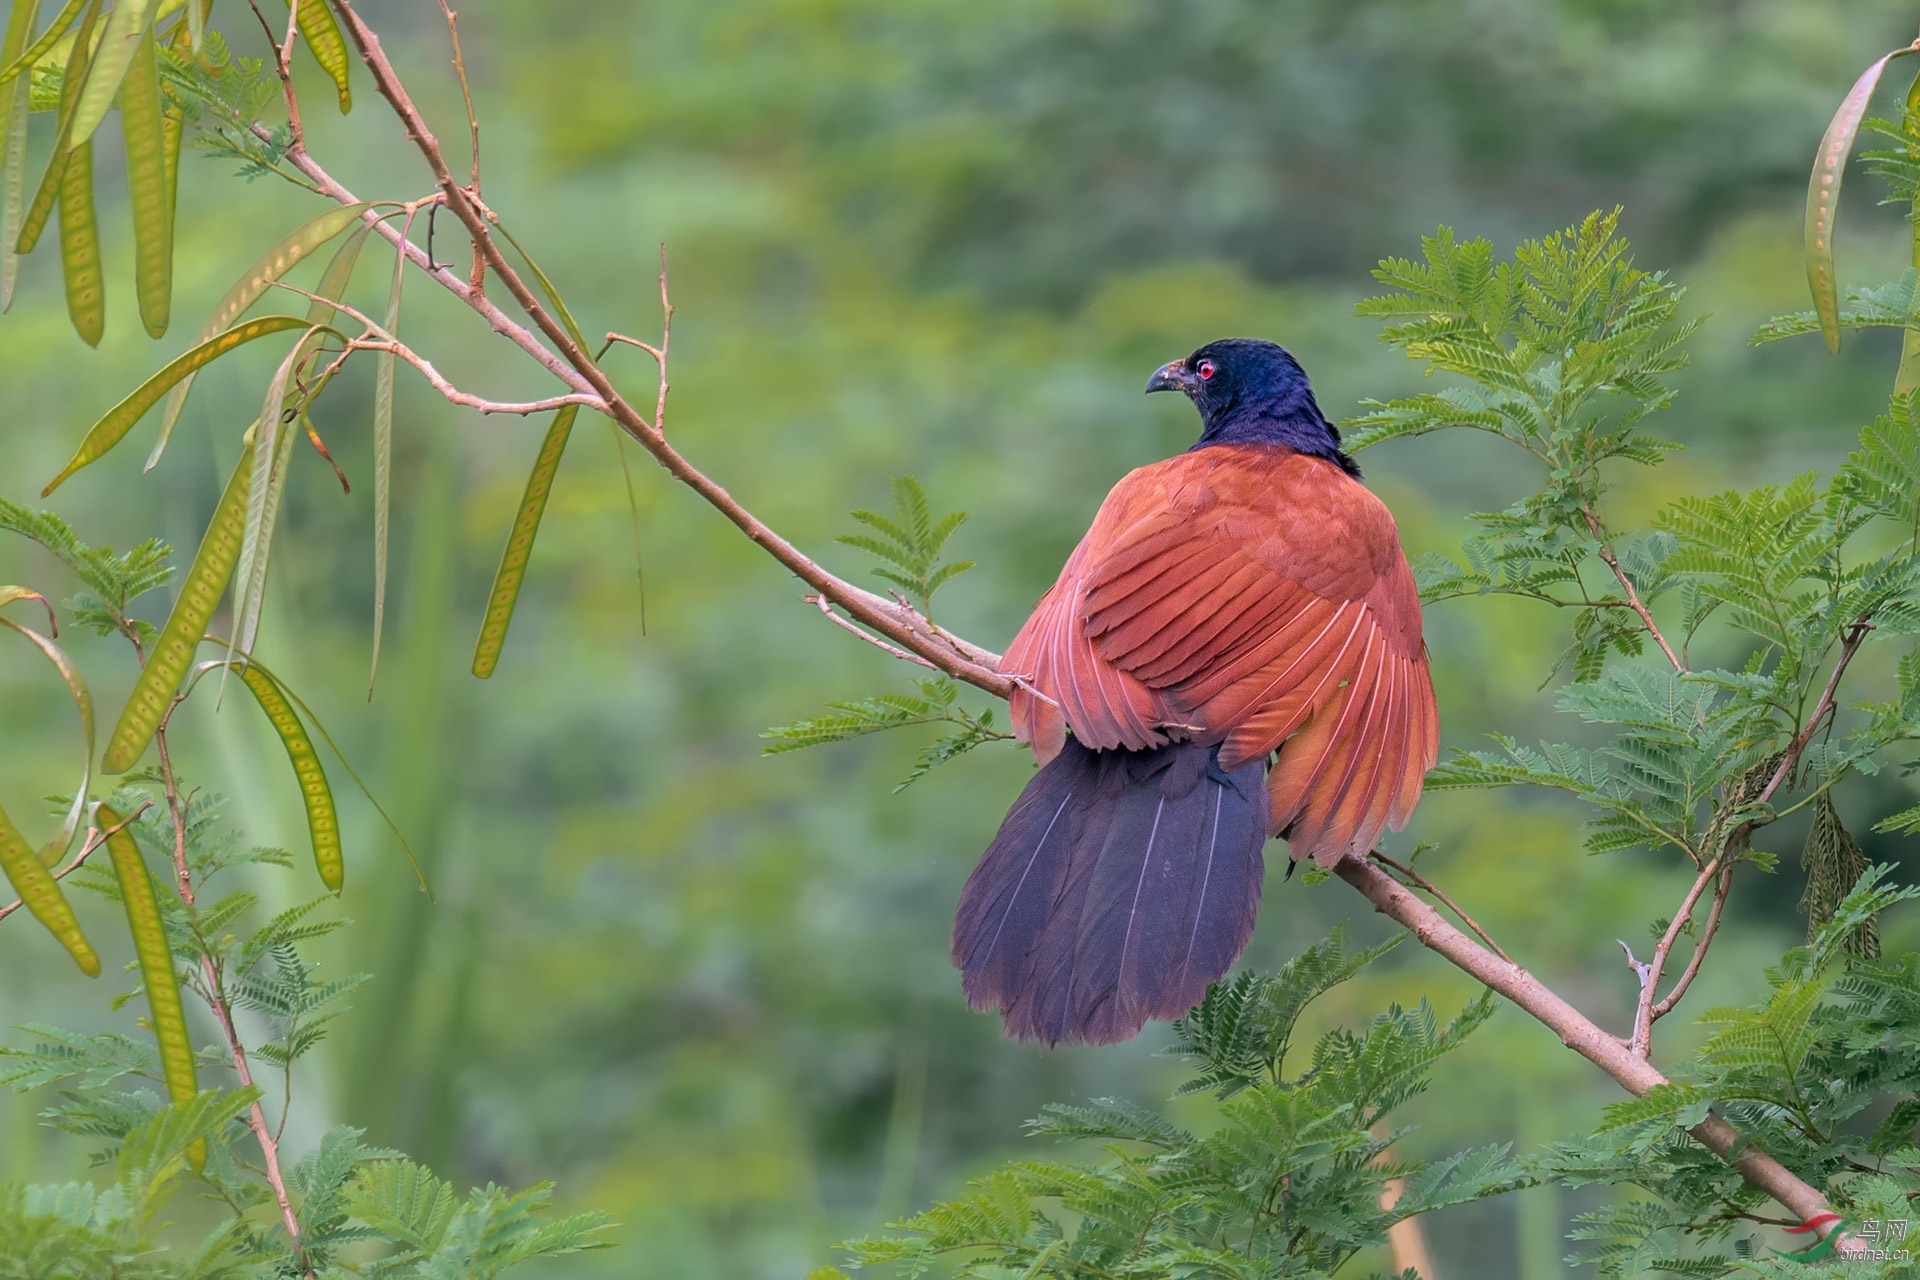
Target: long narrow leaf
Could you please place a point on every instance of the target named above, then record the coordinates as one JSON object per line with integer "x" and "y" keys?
{"x": 323, "y": 819}
{"x": 328, "y": 46}
{"x": 83, "y": 703}
{"x": 147, "y": 189}
{"x": 165, "y": 1014}
{"x": 15, "y": 102}
{"x": 173, "y": 651}
{"x": 246, "y": 291}
{"x": 546, "y": 287}
{"x": 44, "y": 45}
{"x": 127, "y": 26}
{"x": 307, "y": 712}
{"x": 50, "y": 179}
{"x": 272, "y": 456}
{"x": 1823, "y": 196}
{"x": 512, "y": 573}
{"x": 383, "y": 368}
{"x": 80, "y": 247}
{"x": 120, "y": 419}
{"x": 41, "y": 894}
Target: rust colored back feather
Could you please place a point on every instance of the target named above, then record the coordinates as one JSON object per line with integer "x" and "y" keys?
{"x": 1255, "y": 598}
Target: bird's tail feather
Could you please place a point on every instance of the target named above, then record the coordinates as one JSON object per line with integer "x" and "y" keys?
{"x": 1119, "y": 885}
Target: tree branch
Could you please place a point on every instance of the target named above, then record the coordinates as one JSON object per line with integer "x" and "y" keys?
{"x": 576, "y": 367}
{"x": 1575, "y": 1030}
{"x": 1420, "y": 881}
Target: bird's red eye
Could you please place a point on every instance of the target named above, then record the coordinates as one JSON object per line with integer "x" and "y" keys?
{"x": 1206, "y": 369}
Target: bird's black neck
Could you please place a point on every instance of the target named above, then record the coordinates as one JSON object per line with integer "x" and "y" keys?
{"x": 1296, "y": 423}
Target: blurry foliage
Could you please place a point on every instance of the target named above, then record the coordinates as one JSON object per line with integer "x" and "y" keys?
{"x": 949, "y": 239}
{"x": 1287, "y": 1182}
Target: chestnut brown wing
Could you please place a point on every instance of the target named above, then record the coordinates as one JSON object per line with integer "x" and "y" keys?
{"x": 1253, "y": 597}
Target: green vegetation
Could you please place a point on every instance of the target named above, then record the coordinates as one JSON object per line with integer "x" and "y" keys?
{"x": 706, "y": 992}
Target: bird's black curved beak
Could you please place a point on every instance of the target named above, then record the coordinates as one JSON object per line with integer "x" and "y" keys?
{"x": 1173, "y": 376}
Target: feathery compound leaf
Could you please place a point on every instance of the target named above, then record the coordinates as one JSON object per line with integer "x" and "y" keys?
{"x": 512, "y": 573}
{"x": 148, "y": 199}
{"x": 911, "y": 541}
{"x": 246, "y": 291}
{"x": 937, "y": 703}
{"x": 113, "y": 427}
{"x": 405, "y": 1203}
{"x": 200, "y": 593}
{"x": 1823, "y": 195}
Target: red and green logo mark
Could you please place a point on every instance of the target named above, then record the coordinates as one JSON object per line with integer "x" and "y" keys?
{"x": 1819, "y": 1248}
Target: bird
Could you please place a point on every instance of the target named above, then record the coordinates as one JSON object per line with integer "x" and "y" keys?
{"x": 1232, "y": 652}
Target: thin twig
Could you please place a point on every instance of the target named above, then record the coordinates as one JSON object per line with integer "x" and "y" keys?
{"x": 477, "y": 273}
{"x": 378, "y": 339}
{"x": 1632, "y": 595}
{"x": 1648, "y": 1009}
{"x": 95, "y": 839}
{"x": 647, "y": 347}
{"x": 1406, "y": 869}
{"x": 826, "y": 608}
{"x": 1712, "y": 926}
{"x": 666, "y": 345}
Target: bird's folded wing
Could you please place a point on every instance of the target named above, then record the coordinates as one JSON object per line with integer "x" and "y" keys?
{"x": 1257, "y": 600}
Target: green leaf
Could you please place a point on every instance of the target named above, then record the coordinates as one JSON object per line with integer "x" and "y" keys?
{"x": 15, "y": 102}
{"x": 1823, "y": 195}
{"x": 51, "y": 177}
{"x": 41, "y": 893}
{"x": 148, "y": 198}
{"x": 80, "y": 247}
{"x": 512, "y": 573}
{"x": 114, "y": 425}
{"x": 328, "y": 46}
{"x": 383, "y": 371}
{"x": 911, "y": 541}
{"x": 128, "y": 25}
{"x": 255, "y": 281}
{"x": 272, "y": 459}
{"x": 83, "y": 703}
{"x": 166, "y": 1014}
{"x": 200, "y": 592}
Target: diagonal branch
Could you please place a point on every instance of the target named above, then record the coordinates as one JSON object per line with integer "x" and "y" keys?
{"x": 1575, "y": 1030}
{"x": 576, "y": 367}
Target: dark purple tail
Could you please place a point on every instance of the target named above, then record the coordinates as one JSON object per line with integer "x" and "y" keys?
{"x": 1120, "y": 884}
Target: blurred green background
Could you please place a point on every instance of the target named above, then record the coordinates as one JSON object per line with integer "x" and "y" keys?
{"x": 706, "y": 991}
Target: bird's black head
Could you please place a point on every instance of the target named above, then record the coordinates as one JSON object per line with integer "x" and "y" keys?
{"x": 1253, "y": 392}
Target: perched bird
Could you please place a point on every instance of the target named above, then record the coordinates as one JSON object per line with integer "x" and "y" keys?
{"x": 1233, "y": 651}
